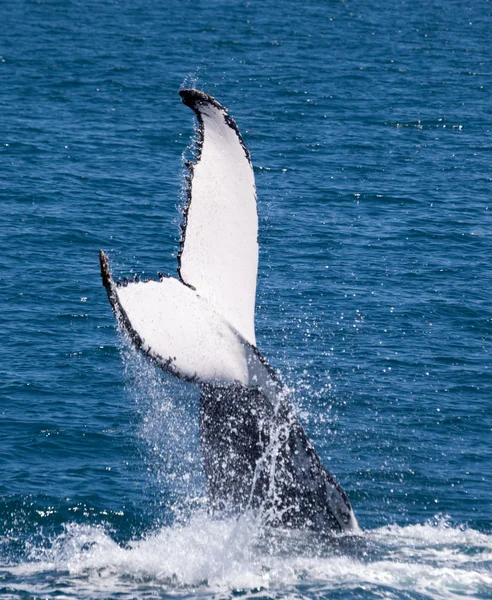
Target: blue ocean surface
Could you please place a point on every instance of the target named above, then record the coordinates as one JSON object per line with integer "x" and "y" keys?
{"x": 369, "y": 126}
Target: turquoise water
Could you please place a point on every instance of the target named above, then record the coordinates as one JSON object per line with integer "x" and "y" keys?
{"x": 369, "y": 126}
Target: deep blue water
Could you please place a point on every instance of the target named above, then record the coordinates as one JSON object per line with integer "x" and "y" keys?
{"x": 369, "y": 125}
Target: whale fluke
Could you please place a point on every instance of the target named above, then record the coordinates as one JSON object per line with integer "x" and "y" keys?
{"x": 200, "y": 328}
{"x": 219, "y": 247}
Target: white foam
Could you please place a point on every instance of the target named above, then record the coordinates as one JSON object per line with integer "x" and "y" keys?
{"x": 210, "y": 558}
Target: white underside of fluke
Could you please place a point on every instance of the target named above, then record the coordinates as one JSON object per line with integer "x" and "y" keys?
{"x": 219, "y": 254}
{"x": 184, "y": 333}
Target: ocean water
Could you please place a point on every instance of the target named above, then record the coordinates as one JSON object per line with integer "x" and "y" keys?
{"x": 369, "y": 125}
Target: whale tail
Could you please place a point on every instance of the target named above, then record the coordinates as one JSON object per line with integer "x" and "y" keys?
{"x": 200, "y": 328}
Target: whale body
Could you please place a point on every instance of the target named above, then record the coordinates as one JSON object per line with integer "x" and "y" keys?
{"x": 200, "y": 328}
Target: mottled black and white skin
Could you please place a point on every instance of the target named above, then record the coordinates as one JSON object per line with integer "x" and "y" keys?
{"x": 258, "y": 457}
{"x": 200, "y": 328}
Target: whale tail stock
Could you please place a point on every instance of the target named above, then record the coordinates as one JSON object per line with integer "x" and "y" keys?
{"x": 200, "y": 328}
{"x": 257, "y": 456}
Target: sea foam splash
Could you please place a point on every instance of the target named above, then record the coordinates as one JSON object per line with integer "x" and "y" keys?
{"x": 210, "y": 558}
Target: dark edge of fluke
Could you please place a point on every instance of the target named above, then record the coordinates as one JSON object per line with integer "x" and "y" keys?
{"x": 194, "y": 99}
{"x": 122, "y": 319}
{"x": 118, "y": 310}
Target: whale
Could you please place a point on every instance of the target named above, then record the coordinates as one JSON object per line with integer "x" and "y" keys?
{"x": 200, "y": 327}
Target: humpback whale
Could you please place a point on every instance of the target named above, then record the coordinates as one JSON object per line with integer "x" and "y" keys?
{"x": 200, "y": 327}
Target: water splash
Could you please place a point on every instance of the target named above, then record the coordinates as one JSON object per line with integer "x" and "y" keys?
{"x": 209, "y": 558}
{"x": 168, "y": 430}
{"x": 193, "y": 79}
